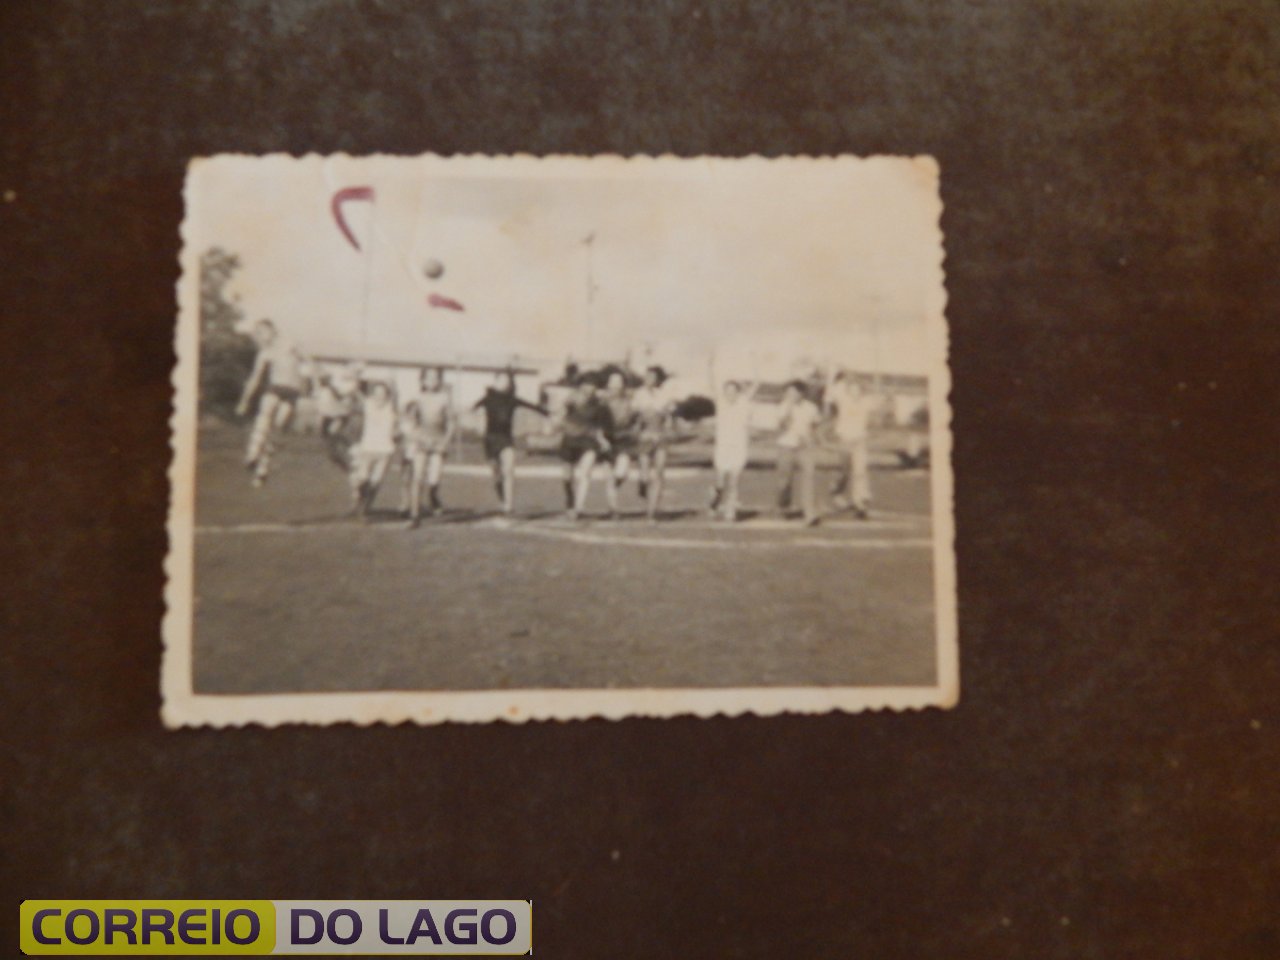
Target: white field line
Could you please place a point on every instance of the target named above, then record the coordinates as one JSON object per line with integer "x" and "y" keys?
{"x": 546, "y": 471}
{"x": 555, "y": 471}
{"x": 607, "y": 534}
{"x": 584, "y": 536}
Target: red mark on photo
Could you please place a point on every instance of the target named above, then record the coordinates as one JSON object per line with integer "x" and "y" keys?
{"x": 444, "y": 303}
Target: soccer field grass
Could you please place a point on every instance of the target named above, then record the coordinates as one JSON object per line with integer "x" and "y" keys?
{"x": 292, "y": 596}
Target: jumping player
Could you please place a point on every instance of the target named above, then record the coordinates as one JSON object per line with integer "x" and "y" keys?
{"x": 850, "y": 409}
{"x": 797, "y": 454}
{"x": 732, "y": 446}
{"x": 277, "y": 381}
{"x": 653, "y": 410}
{"x": 500, "y": 404}
{"x": 372, "y": 453}
{"x": 587, "y": 424}
{"x": 427, "y": 426}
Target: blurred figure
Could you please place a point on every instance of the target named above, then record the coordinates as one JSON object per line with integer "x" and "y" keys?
{"x": 276, "y": 382}
{"x": 850, "y": 408}
{"x": 500, "y": 404}
{"x": 336, "y": 403}
{"x": 732, "y": 447}
{"x": 372, "y": 453}
{"x": 797, "y": 458}
{"x": 653, "y": 410}
{"x": 622, "y": 436}
{"x": 427, "y": 427}
{"x": 587, "y": 424}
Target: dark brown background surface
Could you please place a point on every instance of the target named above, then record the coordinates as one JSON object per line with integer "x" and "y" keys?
{"x": 1107, "y": 786}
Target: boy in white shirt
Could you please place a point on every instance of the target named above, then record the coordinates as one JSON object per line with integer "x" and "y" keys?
{"x": 427, "y": 428}
{"x": 850, "y": 407}
{"x": 796, "y": 454}
{"x": 372, "y": 453}
{"x": 732, "y": 446}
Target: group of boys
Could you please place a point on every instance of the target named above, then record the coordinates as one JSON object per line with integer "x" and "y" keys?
{"x": 362, "y": 427}
{"x": 613, "y": 424}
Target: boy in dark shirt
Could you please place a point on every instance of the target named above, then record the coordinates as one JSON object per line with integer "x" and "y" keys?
{"x": 500, "y": 404}
{"x": 623, "y": 437}
{"x": 587, "y": 425}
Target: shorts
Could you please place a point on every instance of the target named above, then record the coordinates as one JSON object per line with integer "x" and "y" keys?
{"x": 368, "y": 467}
{"x": 647, "y": 444}
{"x": 573, "y": 448}
{"x": 425, "y": 445}
{"x": 626, "y": 444}
{"x": 730, "y": 457}
{"x": 494, "y": 444}
{"x": 287, "y": 394}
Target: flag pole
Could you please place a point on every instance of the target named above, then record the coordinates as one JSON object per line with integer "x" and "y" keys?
{"x": 589, "y": 241}
{"x": 368, "y": 272}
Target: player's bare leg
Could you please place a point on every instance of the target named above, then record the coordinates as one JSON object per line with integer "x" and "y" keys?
{"x": 717, "y": 492}
{"x": 644, "y": 462}
{"x": 731, "y": 495}
{"x": 499, "y": 487}
{"x": 654, "y": 482}
{"x": 335, "y": 443}
{"x": 434, "y": 470}
{"x": 415, "y": 473}
{"x": 570, "y": 469}
{"x": 359, "y": 485}
{"x": 274, "y": 417}
{"x": 257, "y": 456}
{"x": 377, "y": 471}
{"x": 613, "y": 483}
{"x": 808, "y": 466}
{"x": 506, "y": 467}
{"x": 788, "y": 466}
{"x": 582, "y": 482}
{"x": 860, "y": 484}
{"x": 282, "y": 416}
{"x": 841, "y": 489}
{"x": 408, "y": 479}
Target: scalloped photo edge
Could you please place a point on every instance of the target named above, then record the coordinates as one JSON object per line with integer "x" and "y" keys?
{"x": 515, "y": 251}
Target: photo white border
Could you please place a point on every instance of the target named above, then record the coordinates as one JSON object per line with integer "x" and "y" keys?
{"x": 182, "y": 706}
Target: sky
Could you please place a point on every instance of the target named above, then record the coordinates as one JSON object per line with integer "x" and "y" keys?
{"x": 754, "y": 262}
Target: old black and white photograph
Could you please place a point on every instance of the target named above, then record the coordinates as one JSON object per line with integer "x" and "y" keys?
{"x": 517, "y": 438}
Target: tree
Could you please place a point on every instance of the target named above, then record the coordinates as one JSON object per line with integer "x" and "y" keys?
{"x": 226, "y": 355}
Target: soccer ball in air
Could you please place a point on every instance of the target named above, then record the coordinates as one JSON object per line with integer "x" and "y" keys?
{"x": 433, "y": 269}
